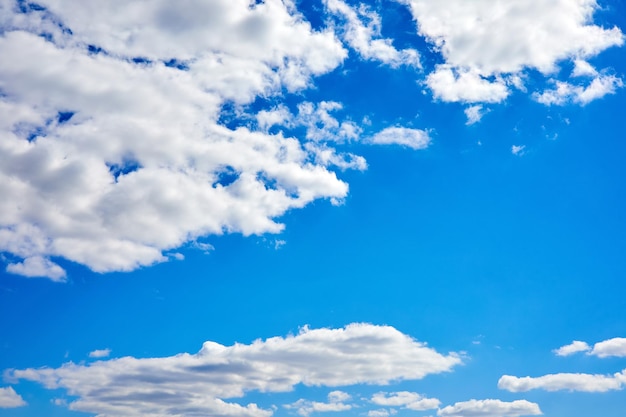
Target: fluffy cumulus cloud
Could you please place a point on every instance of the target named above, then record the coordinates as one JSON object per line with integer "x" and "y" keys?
{"x": 361, "y": 30}
{"x": 574, "y": 347}
{"x": 610, "y": 347}
{"x": 410, "y": 400}
{"x": 10, "y": 399}
{"x": 112, "y": 153}
{"x": 200, "y": 384}
{"x": 564, "y": 382}
{"x": 486, "y": 46}
{"x": 490, "y": 408}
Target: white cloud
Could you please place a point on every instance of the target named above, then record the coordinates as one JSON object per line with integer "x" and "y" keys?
{"x": 199, "y": 383}
{"x": 474, "y": 114}
{"x": 610, "y": 347}
{"x": 564, "y": 381}
{"x": 412, "y": 138}
{"x": 100, "y": 353}
{"x": 450, "y": 84}
{"x": 518, "y": 149}
{"x": 583, "y": 68}
{"x": 490, "y": 408}
{"x": 10, "y": 399}
{"x": 574, "y": 347}
{"x": 365, "y": 37}
{"x": 37, "y": 266}
{"x": 381, "y": 413}
{"x": 335, "y": 403}
{"x": 410, "y": 400}
{"x": 322, "y": 126}
{"x": 109, "y": 162}
{"x": 565, "y": 92}
{"x": 480, "y": 39}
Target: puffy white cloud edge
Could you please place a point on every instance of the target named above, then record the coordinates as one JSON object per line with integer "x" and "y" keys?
{"x": 199, "y": 384}
{"x": 488, "y": 49}
{"x": 490, "y": 408}
{"x": 606, "y": 348}
{"x": 564, "y": 382}
{"x": 10, "y": 399}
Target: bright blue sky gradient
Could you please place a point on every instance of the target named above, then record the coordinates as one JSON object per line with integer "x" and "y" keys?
{"x": 495, "y": 256}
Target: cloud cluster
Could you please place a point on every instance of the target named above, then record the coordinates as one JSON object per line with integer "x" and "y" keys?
{"x": 336, "y": 402}
{"x": 198, "y": 384}
{"x": 487, "y": 47}
{"x": 574, "y": 381}
{"x": 112, "y": 152}
{"x": 10, "y": 399}
{"x": 606, "y": 348}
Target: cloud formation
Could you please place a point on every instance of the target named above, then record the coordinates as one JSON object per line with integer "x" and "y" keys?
{"x": 361, "y": 30}
{"x": 406, "y": 399}
{"x": 564, "y": 382}
{"x": 336, "y": 402}
{"x": 116, "y": 151}
{"x": 490, "y": 408}
{"x": 411, "y": 138}
{"x": 100, "y": 353}
{"x": 604, "y": 349}
{"x": 486, "y": 46}
{"x": 198, "y": 384}
{"x": 10, "y": 399}
{"x": 112, "y": 152}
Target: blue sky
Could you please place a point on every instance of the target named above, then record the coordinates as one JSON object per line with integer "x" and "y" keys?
{"x": 312, "y": 208}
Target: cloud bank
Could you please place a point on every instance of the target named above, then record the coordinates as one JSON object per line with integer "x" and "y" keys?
{"x": 199, "y": 384}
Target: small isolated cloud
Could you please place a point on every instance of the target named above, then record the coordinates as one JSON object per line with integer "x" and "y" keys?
{"x": 490, "y": 408}
{"x": 574, "y": 347}
{"x": 474, "y": 114}
{"x": 100, "y": 353}
{"x": 411, "y": 138}
{"x": 518, "y": 150}
{"x": 381, "y": 413}
{"x": 410, "y": 400}
{"x": 10, "y": 399}
{"x": 610, "y": 347}
{"x": 564, "y": 382}
{"x": 335, "y": 402}
{"x": 201, "y": 383}
{"x": 38, "y": 267}
{"x": 361, "y": 30}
